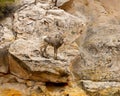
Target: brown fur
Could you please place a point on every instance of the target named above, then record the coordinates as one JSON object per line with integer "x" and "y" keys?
{"x": 55, "y": 41}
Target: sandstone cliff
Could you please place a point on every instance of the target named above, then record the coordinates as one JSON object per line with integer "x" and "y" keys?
{"x": 88, "y": 62}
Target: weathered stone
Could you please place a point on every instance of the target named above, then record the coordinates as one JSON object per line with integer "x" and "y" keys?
{"x": 99, "y": 54}
{"x": 41, "y": 20}
{"x": 16, "y": 69}
{"x": 6, "y": 38}
{"x": 53, "y": 3}
{"x": 61, "y": 2}
{"x": 99, "y": 47}
{"x": 26, "y": 62}
{"x": 4, "y": 60}
{"x": 96, "y": 11}
{"x": 7, "y": 22}
{"x": 30, "y": 83}
{"x": 24, "y": 2}
{"x": 39, "y": 89}
{"x": 101, "y": 88}
{"x": 31, "y": 25}
{"x": 9, "y": 89}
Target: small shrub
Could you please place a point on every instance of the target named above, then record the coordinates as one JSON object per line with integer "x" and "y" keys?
{"x": 6, "y": 8}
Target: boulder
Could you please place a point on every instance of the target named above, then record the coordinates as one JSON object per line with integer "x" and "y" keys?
{"x": 31, "y": 24}
{"x": 27, "y": 63}
{"x": 39, "y": 20}
{"x": 101, "y": 88}
{"x": 6, "y": 38}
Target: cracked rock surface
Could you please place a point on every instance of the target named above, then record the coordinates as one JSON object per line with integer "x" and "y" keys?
{"x": 88, "y": 62}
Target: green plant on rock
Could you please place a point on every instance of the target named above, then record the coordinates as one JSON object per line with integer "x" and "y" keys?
{"x": 6, "y": 8}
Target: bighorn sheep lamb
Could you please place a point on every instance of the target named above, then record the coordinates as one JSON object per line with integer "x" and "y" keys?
{"x": 55, "y": 41}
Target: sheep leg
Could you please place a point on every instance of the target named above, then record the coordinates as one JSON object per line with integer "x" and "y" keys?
{"x": 55, "y": 53}
{"x": 45, "y": 52}
{"x": 41, "y": 51}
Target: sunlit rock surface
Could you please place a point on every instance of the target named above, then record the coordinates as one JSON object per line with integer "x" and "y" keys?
{"x": 99, "y": 58}
{"x": 6, "y": 38}
{"x": 101, "y": 88}
{"x": 41, "y": 20}
{"x": 30, "y": 26}
{"x": 27, "y": 63}
{"x": 91, "y": 53}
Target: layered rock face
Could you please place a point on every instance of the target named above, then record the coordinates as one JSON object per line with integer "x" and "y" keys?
{"x": 6, "y": 38}
{"x": 99, "y": 57}
{"x": 101, "y": 53}
{"x": 89, "y": 58}
{"x": 31, "y": 24}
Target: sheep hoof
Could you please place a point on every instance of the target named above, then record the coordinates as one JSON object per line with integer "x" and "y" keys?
{"x": 46, "y": 56}
{"x": 55, "y": 58}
